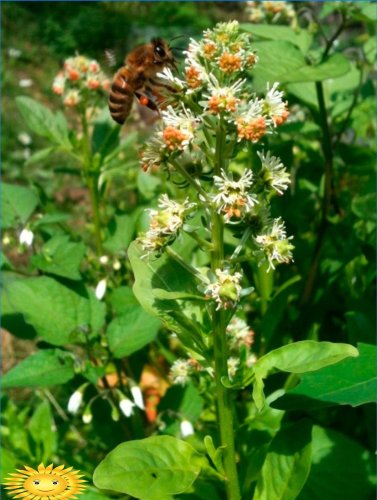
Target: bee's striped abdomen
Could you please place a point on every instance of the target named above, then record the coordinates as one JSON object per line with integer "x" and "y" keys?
{"x": 121, "y": 96}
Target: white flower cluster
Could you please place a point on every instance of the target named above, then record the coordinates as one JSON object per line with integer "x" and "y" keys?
{"x": 275, "y": 244}
{"x": 81, "y": 78}
{"x": 180, "y": 371}
{"x": 214, "y": 85}
{"x": 165, "y": 224}
{"x": 270, "y": 12}
{"x": 273, "y": 173}
{"x": 226, "y": 290}
{"x": 239, "y": 334}
{"x": 233, "y": 197}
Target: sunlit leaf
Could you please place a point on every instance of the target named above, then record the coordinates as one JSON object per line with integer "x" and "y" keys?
{"x": 151, "y": 468}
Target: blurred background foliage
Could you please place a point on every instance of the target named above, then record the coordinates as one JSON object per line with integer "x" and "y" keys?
{"x": 334, "y": 297}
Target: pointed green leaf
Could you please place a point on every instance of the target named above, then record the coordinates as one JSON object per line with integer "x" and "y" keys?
{"x": 287, "y": 464}
{"x": 301, "y": 37}
{"x": 185, "y": 317}
{"x": 303, "y": 356}
{"x": 352, "y": 381}
{"x": 151, "y": 468}
{"x": 44, "y": 122}
{"x": 131, "y": 331}
{"x": 42, "y": 369}
{"x": 56, "y": 312}
{"x": 340, "y": 468}
{"x": 17, "y": 205}
{"x": 61, "y": 257}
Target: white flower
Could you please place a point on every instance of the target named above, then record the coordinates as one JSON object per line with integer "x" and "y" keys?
{"x": 222, "y": 98}
{"x": 251, "y": 360}
{"x": 180, "y": 371}
{"x": 138, "y": 397}
{"x": 14, "y": 53}
{"x": 239, "y": 333}
{"x": 26, "y": 237}
{"x": 74, "y": 402}
{"x": 101, "y": 289}
{"x": 275, "y": 244}
{"x": 274, "y": 106}
{"x": 87, "y": 416}
{"x": 72, "y": 98}
{"x": 273, "y": 172}
{"x": 127, "y": 406}
{"x": 165, "y": 223}
{"x": 168, "y": 78}
{"x": 233, "y": 364}
{"x": 179, "y": 126}
{"x": 186, "y": 428}
{"x": 233, "y": 197}
{"x": 104, "y": 259}
{"x": 226, "y": 290}
{"x": 25, "y": 82}
{"x": 116, "y": 265}
{"x": 24, "y": 138}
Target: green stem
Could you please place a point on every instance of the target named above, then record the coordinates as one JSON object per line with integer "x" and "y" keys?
{"x": 223, "y": 395}
{"x": 326, "y": 204}
{"x": 174, "y": 255}
{"x": 202, "y": 242}
{"x": 91, "y": 178}
{"x": 190, "y": 179}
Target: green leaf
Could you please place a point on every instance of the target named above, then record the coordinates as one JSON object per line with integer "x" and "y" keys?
{"x": 42, "y": 429}
{"x": 43, "y": 122}
{"x": 298, "y": 357}
{"x": 147, "y": 185}
{"x": 151, "y": 468}
{"x": 131, "y": 331}
{"x": 301, "y": 38}
{"x": 183, "y": 401}
{"x": 284, "y": 63}
{"x": 340, "y": 468}
{"x": 119, "y": 233}
{"x": 215, "y": 454}
{"x": 39, "y": 156}
{"x": 303, "y": 356}
{"x": 105, "y": 137}
{"x": 185, "y": 317}
{"x": 287, "y": 464}
{"x": 61, "y": 257}
{"x": 277, "y": 61}
{"x": 17, "y": 205}
{"x": 56, "y": 312}
{"x": 352, "y": 381}
{"x": 334, "y": 67}
{"x": 42, "y": 369}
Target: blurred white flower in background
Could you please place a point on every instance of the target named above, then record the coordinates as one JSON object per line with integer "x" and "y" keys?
{"x": 26, "y": 237}
{"x": 101, "y": 289}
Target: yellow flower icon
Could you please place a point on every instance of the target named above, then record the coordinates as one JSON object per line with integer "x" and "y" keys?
{"x": 46, "y": 483}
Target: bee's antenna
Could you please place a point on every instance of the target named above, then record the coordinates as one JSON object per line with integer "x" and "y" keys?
{"x": 176, "y": 37}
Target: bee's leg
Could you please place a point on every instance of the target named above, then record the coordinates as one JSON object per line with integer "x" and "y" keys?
{"x": 156, "y": 83}
{"x": 147, "y": 101}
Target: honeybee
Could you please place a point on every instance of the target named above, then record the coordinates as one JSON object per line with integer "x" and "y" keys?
{"x": 138, "y": 77}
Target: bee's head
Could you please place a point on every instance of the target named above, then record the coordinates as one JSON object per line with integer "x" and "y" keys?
{"x": 163, "y": 54}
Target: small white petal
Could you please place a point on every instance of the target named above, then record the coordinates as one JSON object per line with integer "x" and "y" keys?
{"x": 74, "y": 402}
{"x": 87, "y": 418}
{"x": 25, "y": 82}
{"x": 126, "y": 405}
{"x": 101, "y": 289}
{"x": 26, "y": 237}
{"x": 104, "y": 259}
{"x": 187, "y": 428}
{"x": 138, "y": 397}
